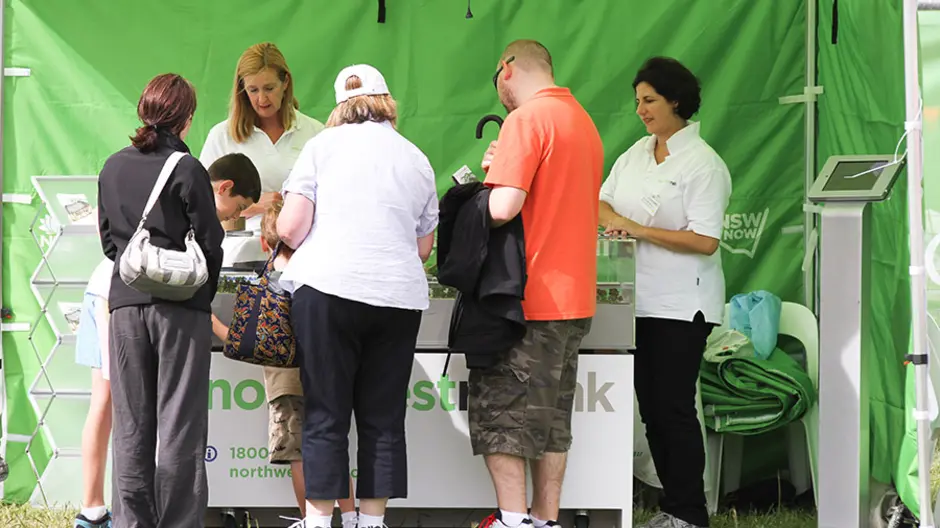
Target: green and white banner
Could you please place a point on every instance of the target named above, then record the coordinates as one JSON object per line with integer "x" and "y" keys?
{"x": 438, "y": 438}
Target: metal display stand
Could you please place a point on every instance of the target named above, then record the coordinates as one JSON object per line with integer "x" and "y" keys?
{"x": 65, "y": 231}
{"x": 846, "y": 187}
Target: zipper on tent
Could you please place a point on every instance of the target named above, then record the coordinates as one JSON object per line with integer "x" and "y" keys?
{"x": 835, "y": 21}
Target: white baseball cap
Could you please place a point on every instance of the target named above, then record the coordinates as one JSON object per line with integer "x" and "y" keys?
{"x": 372, "y": 82}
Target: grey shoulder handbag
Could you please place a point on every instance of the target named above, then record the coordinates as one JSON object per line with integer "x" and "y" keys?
{"x": 163, "y": 273}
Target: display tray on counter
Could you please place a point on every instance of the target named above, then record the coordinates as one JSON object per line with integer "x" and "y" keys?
{"x": 612, "y": 328}
{"x": 607, "y": 292}
{"x": 249, "y": 267}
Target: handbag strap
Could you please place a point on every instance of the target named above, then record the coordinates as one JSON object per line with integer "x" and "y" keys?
{"x": 269, "y": 264}
{"x": 168, "y": 167}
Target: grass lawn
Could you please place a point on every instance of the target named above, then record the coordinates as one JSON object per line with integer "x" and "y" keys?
{"x": 784, "y": 519}
{"x": 12, "y": 516}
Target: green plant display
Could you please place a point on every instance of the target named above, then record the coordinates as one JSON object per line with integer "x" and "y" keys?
{"x": 605, "y": 294}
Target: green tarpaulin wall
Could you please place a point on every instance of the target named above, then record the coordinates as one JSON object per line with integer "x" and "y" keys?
{"x": 90, "y": 60}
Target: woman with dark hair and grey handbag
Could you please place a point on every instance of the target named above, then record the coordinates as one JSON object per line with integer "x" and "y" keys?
{"x": 158, "y": 223}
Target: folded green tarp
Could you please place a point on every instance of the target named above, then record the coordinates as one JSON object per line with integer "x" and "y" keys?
{"x": 749, "y": 396}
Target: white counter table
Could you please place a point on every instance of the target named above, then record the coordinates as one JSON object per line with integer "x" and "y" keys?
{"x": 444, "y": 476}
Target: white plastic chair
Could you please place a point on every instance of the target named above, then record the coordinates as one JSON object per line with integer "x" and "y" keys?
{"x": 725, "y": 451}
{"x": 933, "y": 367}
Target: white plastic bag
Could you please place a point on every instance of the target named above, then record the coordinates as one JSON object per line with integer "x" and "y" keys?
{"x": 643, "y": 467}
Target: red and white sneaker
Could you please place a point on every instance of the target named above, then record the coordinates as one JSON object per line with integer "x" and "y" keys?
{"x": 494, "y": 520}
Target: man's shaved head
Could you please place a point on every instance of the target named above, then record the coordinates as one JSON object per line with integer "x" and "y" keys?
{"x": 525, "y": 67}
{"x": 530, "y": 56}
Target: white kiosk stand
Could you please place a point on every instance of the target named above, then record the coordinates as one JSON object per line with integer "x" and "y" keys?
{"x": 845, "y": 187}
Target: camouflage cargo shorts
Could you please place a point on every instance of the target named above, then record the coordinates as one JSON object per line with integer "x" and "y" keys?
{"x": 285, "y": 429}
{"x": 522, "y": 405}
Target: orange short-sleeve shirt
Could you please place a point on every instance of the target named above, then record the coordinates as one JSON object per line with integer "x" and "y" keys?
{"x": 550, "y": 148}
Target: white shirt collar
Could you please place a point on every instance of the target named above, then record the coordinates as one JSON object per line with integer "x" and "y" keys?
{"x": 385, "y": 124}
{"x": 679, "y": 141}
{"x": 684, "y": 138}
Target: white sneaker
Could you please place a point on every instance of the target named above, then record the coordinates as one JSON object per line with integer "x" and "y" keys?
{"x": 665, "y": 520}
{"x": 660, "y": 520}
{"x": 494, "y": 521}
{"x": 351, "y": 523}
{"x": 299, "y": 523}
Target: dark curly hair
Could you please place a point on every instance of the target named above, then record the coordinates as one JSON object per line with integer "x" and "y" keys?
{"x": 673, "y": 81}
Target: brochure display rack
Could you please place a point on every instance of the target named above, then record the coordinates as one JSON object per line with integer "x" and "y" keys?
{"x": 65, "y": 231}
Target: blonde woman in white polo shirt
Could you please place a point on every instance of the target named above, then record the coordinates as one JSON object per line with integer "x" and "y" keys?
{"x": 263, "y": 123}
{"x": 670, "y": 191}
{"x": 360, "y": 207}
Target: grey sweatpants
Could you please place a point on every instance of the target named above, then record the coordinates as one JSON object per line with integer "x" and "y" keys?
{"x": 160, "y": 356}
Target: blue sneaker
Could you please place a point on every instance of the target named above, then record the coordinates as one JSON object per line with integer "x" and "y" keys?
{"x": 82, "y": 522}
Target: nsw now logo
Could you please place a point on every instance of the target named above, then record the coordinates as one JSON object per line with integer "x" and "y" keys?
{"x": 741, "y": 232}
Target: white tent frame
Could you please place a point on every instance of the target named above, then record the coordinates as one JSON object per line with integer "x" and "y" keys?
{"x": 913, "y": 127}
{"x": 3, "y": 386}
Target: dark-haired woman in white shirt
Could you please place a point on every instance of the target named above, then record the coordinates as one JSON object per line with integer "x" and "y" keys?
{"x": 670, "y": 191}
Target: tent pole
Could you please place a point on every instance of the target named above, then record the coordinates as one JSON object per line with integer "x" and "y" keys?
{"x": 809, "y": 153}
{"x": 918, "y": 283}
{"x": 3, "y": 392}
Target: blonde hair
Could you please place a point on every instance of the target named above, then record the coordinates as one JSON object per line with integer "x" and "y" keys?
{"x": 242, "y": 117}
{"x": 376, "y": 108}
{"x": 269, "y": 228}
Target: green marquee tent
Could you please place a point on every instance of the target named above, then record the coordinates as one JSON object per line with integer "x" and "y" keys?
{"x": 74, "y": 71}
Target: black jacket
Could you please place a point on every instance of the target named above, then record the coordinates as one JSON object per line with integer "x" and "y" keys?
{"x": 487, "y": 266}
{"x": 187, "y": 199}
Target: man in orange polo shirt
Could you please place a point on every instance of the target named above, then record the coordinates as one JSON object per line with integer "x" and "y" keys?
{"x": 547, "y": 165}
